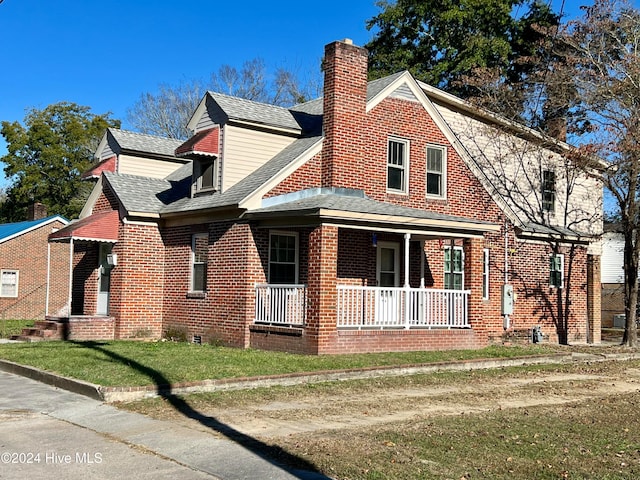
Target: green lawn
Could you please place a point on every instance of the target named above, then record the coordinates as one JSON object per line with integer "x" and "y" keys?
{"x": 128, "y": 363}
{"x": 13, "y": 327}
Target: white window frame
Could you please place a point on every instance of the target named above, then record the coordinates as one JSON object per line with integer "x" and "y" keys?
{"x": 442, "y": 173}
{"x": 194, "y": 238}
{"x": 560, "y": 257}
{"x": 2, "y": 284}
{"x": 282, "y": 233}
{"x": 405, "y": 166}
{"x": 452, "y": 271}
{"x": 485, "y": 274}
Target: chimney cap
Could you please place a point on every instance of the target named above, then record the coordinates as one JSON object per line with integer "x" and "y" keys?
{"x": 348, "y": 41}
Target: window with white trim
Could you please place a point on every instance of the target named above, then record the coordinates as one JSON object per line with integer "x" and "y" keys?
{"x": 485, "y": 274}
{"x": 199, "y": 251}
{"x": 283, "y": 258}
{"x": 453, "y": 268}
{"x": 556, "y": 271}
{"x": 436, "y": 171}
{"x": 9, "y": 283}
{"x": 397, "y": 165}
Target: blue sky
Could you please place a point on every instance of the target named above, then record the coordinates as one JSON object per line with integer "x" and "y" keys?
{"x": 104, "y": 55}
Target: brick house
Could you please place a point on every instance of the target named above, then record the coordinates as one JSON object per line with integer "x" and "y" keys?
{"x": 376, "y": 218}
{"x": 26, "y": 259}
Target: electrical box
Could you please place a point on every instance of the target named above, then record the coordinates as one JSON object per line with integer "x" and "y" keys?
{"x": 507, "y": 299}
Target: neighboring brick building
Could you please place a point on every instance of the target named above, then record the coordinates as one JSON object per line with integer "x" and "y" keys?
{"x": 25, "y": 262}
{"x": 387, "y": 215}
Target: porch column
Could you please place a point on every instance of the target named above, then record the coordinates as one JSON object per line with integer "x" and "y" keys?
{"x": 473, "y": 280}
{"x": 321, "y": 326}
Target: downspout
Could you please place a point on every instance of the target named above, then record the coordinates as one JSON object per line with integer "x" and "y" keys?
{"x": 46, "y": 305}
{"x": 70, "y": 273}
{"x": 507, "y": 321}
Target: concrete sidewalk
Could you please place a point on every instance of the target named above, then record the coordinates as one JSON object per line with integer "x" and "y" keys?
{"x": 78, "y": 437}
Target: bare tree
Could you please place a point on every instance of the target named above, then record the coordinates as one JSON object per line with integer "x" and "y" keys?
{"x": 167, "y": 112}
{"x": 546, "y": 195}
{"x": 603, "y": 57}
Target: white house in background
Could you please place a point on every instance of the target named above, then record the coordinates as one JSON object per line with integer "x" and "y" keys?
{"x": 612, "y": 276}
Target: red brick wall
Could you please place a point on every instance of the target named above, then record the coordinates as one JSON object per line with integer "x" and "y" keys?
{"x": 234, "y": 266}
{"x": 137, "y": 281}
{"x": 27, "y": 253}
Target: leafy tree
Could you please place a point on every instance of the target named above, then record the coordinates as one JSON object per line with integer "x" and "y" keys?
{"x": 46, "y": 156}
{"x": 443, "y": 42}
{"x": 602, "y": 56}
{"x": 167, "y": 112}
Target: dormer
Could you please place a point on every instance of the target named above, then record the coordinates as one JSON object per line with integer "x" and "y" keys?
{"x": 204, "y": 151}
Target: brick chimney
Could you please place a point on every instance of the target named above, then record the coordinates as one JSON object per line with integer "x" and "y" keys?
{"x": 36, "y": 211}
{"x": 344, "y": 104}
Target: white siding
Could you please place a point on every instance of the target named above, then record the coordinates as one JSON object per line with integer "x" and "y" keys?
{"x": 246, "y": 150}
{"x": 146, "y": 167}
{"x": 513, "y": 165}
{"x": 612, "y": 258}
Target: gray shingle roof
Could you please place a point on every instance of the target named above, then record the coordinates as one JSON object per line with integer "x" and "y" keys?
{"x": 142, "y": 142}
{"x": 374, "y": 87}
{"x": 249, "y": 184}
{"x": 355, "y": 204}
{"x": 144, "y": 194}
{"x": 240, "y": 109}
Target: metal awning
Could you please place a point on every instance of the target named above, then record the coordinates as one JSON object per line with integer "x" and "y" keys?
{"x": 99, "y": 227}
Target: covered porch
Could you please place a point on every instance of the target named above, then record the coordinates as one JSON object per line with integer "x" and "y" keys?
{"x": 367, "y": 276}
{"x": 91, "y": 261}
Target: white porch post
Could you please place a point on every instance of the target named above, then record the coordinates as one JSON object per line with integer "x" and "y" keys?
{"x": 407, "y": 309}
{"x": 422, "y": 284}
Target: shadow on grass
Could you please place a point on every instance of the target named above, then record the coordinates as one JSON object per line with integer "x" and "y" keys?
{"x": 273, "y": 454}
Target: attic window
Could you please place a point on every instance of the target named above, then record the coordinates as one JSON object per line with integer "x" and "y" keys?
{"x": 205, "y": 175}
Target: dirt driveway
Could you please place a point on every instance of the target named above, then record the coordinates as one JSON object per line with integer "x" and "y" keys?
{"x": 275, "y": 413}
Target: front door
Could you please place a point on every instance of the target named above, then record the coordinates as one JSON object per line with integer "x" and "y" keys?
{"x": 104, "y": 279}
{"x": 388, "y": 276}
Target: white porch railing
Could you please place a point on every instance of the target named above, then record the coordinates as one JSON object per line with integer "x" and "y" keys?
{"x": 367, "y": 307}
{"x": 281, "y": 304}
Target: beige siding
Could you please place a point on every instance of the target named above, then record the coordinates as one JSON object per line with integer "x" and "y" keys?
{"x": 146, "y": 167}
{"x": 513, "y": 169}
{"x": 246, "y": 150}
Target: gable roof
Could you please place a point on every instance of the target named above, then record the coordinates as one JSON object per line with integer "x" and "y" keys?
{"x": 124, "y": 140}
{"x": 227, "y": 108}
{"x": 13, "y": 230}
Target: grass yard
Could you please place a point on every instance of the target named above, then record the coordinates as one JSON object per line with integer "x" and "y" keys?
{"x": 572, "y": 421}
{"x": 13, "y": 327}
{"x": 129, "y": 363}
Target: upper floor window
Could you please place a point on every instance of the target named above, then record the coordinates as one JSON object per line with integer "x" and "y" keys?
{"x": 9, "y": 283}
{"x": 199, "y": 251}
{"x": 283, "y": 258}
{"x": 205, "y": 173}
{"x": 397, "y": 165}
{"x": 436, "y": 171}
{"x": 548, "y": 191}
